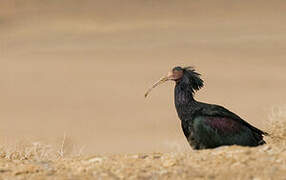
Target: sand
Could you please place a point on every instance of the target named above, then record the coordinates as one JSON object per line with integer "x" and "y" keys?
{"x": 232, "y": 162}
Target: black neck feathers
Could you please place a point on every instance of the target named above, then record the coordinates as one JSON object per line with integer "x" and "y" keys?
{"x": 185, "y": 89}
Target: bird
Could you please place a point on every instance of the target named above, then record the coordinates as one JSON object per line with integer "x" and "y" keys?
{"x": 207, "y": 126}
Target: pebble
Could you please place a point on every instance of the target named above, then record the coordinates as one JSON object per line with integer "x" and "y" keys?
{"x": 169, "y": 163}
{"x": 95, "y": 160}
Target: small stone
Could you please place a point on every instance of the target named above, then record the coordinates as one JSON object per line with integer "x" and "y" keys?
{"x": 157, "y": 155}
{"x": 256, "y": 178}
{"x": 4, "y": 170}
{"x": 266, "y": 148}
{"x": 135, "y": 156}
{"x": 237, "y": 164}
{"x": 247, "y": 152}
{"x": 95, "y": 160}
{"x": 169, "y": 163}
{"x": 143, "y": 156}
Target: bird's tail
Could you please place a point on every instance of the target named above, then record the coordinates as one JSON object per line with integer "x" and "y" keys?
{"x": 261, "y": 142}
{"x": 258, "y": 135}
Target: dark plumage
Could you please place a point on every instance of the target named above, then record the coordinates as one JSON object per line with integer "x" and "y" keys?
{"x": 207, "y": 125}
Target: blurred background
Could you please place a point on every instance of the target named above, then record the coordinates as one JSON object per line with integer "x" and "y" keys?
{"x": 81, "y": 68}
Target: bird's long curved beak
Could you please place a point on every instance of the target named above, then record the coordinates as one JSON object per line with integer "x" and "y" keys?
{"x": 160, "y": 81}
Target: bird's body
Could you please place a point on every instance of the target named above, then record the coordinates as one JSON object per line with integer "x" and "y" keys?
{"x": 209, "y": 126}
{"x": 206, "y": 125}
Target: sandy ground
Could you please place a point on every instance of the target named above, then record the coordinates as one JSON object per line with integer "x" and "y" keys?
{"x": 264, "y": 162}
{"x": 80, "y": 70}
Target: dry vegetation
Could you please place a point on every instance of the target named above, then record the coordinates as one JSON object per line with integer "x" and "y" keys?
{"x": 39, "y": 161}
